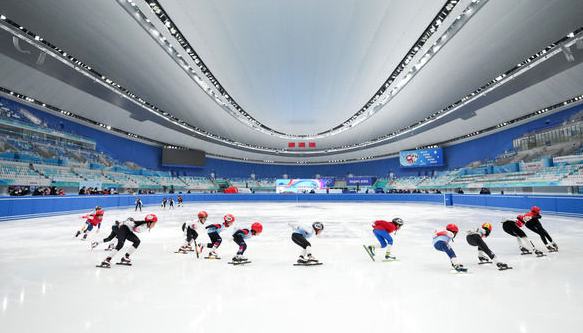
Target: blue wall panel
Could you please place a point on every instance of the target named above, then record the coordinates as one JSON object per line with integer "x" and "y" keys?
{"x": 22, "y": 207}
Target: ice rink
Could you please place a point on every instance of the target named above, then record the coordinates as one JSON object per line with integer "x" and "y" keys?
{"x": 49, "y": 282}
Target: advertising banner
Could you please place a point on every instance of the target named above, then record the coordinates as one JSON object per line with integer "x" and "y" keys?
{"x": 421, "y": 158}
{"x": 361, "y": 181}
{"x": 299, "y": 185}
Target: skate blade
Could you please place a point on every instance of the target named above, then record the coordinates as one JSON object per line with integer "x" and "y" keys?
{"x": 102, "y": 266}
{"x": 236, "y": 263}
{"x": 309, "y": 264}
{"x": 484, "y": 262}
{"x": 123, "y": 264}
{"x": 216, "y": 258}
{"x": 390, "y": 260}
{"x": 368, "y": 252}
{"x": 181, "y": 252}
{"x": 453, "y": 271}
{"x": 504, "y": 269}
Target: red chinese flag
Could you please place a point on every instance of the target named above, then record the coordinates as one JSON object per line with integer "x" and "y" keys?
{"x": 302, "y": 144}
{"x": 312, "y": 144}
{"x": 291, "y": 144}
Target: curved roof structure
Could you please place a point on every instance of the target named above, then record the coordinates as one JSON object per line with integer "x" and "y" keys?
{"x": 245, "y": 79}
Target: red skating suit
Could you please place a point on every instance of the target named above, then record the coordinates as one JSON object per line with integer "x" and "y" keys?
{"x": 96, "y": 217}
{"x": 384, "y": 225}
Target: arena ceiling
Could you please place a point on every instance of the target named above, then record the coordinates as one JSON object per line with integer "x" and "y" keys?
{"x": 242, "y": 79}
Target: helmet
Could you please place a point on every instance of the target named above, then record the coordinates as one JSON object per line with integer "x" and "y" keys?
{"x": 256, "y": 228}
{"x": 453, "y": 228}
{"x": 398, "y": 221}
{"x": 487, "y": 227}
{"x": 202, "y": 214}
{"x": 229, "y": 219}
{"x": 318, "y": 226}
{"x": 535, "y": 209}
{"x": 99, "y": 207}
{"x": 151, "y": 220}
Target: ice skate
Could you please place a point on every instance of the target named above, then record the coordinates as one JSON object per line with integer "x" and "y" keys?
{"x": 552, "y": 247}
{"x": 84, "y": 236}
{"x": 371, "y": 249}
{"x": 77, "y": 234}
{"x": 539, "y": 253}
{"x": 302, "y": 260}
{"x": 126, "y": 261}
{"x": 312, "y": 259}
{"x": 110, "y": 247}
{"x": 484, "y": 260}
{"x": 199, "y": 248}
{"x": 459, "y": 268}
{"x": 239, "y": 258}
{"x": 524, "y": 251}
{"x": 182, "y": 250}
{"x": 389, "y": 257}
{"x": 212, "y": 255}
{"x": 502, "y": 266}
{"x": 94, "y": 245}
{"x": 555, "y": 246}
{"x": 368, "y": 251}
{"x": 105, "y": 263}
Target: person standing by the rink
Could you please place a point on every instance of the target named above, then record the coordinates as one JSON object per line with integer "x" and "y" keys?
{"x": 171, "y": 203}
{"x": 127, "y": 231}
{"x": 300, "y": 235}
{"x": 441, "y": 241}
{"x": 532, "y": 222}
{"x": 382, "y": 231}
{"x": 92, "y": 219}
{"x": 164, "y": 201}
{"x": 180, "y": 201}
{"x": 139, "y": 205}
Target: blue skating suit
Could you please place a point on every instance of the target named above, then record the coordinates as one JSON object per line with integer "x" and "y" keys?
{"x": 441, "y": 242}
{"x": 215, "y": 228}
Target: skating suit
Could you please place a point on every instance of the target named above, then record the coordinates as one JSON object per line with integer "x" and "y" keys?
{"x": 304, "y": 231}
{"x": 441, "y": 242}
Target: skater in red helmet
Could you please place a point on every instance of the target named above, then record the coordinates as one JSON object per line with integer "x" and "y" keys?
{"x": 191, "y": 233}
{"x": 213, "y": 231}
{"x": 532, "y": 222}
{"x": 239, "y": 237}
{"x": 441, "y": 241}
{"x": 92, "y": 219}
{"x": 127, "y": 231}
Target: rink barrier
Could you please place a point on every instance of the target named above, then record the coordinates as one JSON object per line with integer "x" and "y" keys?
{"x": 30, "y": 207}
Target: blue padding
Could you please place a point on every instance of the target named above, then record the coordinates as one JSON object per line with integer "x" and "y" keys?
{"x": 23, "y": 207}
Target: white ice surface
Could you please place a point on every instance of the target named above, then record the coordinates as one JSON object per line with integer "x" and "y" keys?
{"x": 49, "y": 283}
